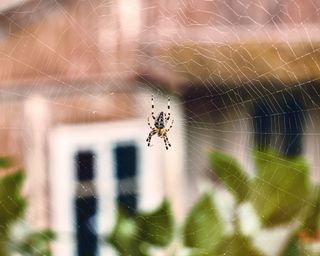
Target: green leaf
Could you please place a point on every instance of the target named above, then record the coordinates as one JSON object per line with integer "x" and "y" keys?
{"x": 199, "y": 252}
{"x": 12, "y": 204}
{"x": 34, "y": 244}
{"x": 311, "y": 223}
{"x": 292, "y": 248}
{"x": 280, "y": 188}
{"x": 124, "y": 236}
{"x": 5, "y": 162}
{"x": 156, "y": 228}
{"x": 3, "y": 248}
{"x": 230, "y": 173}
{"x": 203, "y": 228}
{"x": 237, "y": 245}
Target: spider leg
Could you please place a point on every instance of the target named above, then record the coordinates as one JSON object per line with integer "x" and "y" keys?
{"x": 170, "y": 126}
{"x": 153, "y": 132}
{"x": 150, "y": 124}
{"x": 152, "y": 107}
{"x": 168, "y": 110}
{"x": 166, "y": 140}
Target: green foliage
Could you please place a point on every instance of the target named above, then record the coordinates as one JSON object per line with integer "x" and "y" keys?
{"x": 34, "y": 244}
{"x": 308, "y": 231}
{"x": 292, "y": 248}
{"x": 5, "y": 162}
{"x": 204, "y": 233}
{"x": 199, "y": 252}
{"x": 231, "y": 175}
{"x": 279, "y": 193}
{"x": 12, "y": 207}
{"x": 124, "y": 236}
{"x": 237, "y": 245}
{"x": 203, "y": 228}
{"x": 234, "y": 245}
{"x": 280, "y": 188}
{"x": 156, "y": 228}
{"x": 311, "y": 223}
{"x": 135, "y": 235}
{"x": 12, "y": 204}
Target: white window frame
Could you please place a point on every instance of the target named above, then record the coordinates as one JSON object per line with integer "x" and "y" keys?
{"x": 64, "y": 142}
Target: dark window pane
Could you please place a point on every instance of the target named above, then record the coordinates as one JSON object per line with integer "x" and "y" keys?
{"x": 279, "y": 120}
{"x": 85, "y": 165}
{"x": 128, "y": 202}
{"x": 126, "y": 161}
{"x": 293, "y": 127}
{"x": 87, "y": 240}
{"x": 262, "y": 125}
{"x": 125, "y": 172}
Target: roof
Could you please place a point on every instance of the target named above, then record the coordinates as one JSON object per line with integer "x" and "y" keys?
{"x": 286, "y": 56}
{"x": 243, "y": 62}
{"x": 67, "y": 41}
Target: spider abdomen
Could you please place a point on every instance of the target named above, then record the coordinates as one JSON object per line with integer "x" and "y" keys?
{"x": 160, "y": 132}
{"x": 159, "y": 123}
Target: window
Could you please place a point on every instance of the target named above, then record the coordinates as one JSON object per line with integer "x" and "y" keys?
{"x": 292, "y": 127}
{"x": 262, "y": 125}
{"x": 85, "y": 205}
{"x": 91, "y": 173}
{"x": 126, "y": 174}
{"x": 278, "y": 124}
{"x": 85, "y": 165}
{"x": 87, "y": 240}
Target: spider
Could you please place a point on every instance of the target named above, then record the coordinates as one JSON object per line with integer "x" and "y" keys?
{"x": 160, "y": 125}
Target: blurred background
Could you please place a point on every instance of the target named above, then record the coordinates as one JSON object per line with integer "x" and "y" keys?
{"x": 76, "y": 79}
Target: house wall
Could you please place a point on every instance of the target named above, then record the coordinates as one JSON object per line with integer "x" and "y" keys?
{"x": 12, "y": 129}
{"x": 72, "y": 63}
{"x": 43, "y": 115}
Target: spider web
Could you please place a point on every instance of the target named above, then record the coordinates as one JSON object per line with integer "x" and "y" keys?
{"x": 228, "y": 65}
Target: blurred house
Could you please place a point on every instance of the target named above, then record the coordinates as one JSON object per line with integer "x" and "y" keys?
{"x": 76, "y": 80}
